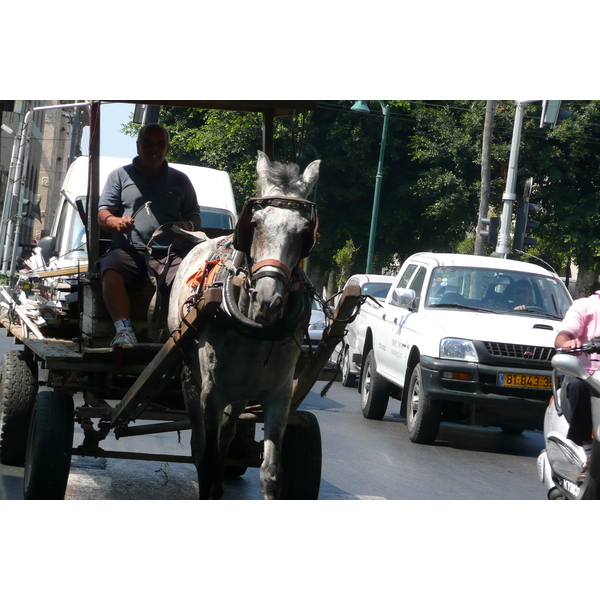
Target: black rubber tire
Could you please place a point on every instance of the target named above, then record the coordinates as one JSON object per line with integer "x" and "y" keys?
{"x": 348, "y": 379}
{"x": 423, "y": 415}
{"x": 239, "y": 449}
{"x": 18, "y": 389}
{"x": 512, "y": 430}
{"x": 301, "y": 459}
{"x": 590, "y": 489}
{"x": 375, "y": 390}
{"x": 49, "y": 447}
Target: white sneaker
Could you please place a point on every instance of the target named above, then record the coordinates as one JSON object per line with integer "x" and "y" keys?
{"x": 125, "y": 338}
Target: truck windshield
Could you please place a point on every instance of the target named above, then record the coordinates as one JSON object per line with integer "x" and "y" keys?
{"x": 500, "y": 291}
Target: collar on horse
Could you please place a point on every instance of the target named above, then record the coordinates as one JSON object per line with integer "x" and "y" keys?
{"x": 226, "y": 269}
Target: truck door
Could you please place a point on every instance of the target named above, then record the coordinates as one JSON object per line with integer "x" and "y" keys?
{"x": 396, "y": 328}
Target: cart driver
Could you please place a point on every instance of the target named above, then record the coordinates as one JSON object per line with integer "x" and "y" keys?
{"x": 137, "y": 199}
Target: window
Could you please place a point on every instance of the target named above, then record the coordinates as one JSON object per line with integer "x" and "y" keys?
{"x": 500, "y": 291}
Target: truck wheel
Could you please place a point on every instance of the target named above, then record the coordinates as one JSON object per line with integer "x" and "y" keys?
{"x": 348, "y": 379}
{"x": 375, "y": 390}
{"x": 301, "y": 457}
{"x": 423, "y": 416}
{"x": 49, "y": 447}
{"x": 18, "y": 388}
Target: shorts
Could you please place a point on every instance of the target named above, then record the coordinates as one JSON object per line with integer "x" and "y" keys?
{"x": 130, "y": 262}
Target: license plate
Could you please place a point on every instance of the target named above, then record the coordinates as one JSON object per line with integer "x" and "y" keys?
{"x": 523, "y": 380}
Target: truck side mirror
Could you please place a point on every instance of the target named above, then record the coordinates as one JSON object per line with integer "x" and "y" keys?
{"x": 47, "y": 245}
{"x": 403, "y": 297}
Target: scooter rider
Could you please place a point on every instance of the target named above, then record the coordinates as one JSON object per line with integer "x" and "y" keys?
{"x": 581, "y": 324}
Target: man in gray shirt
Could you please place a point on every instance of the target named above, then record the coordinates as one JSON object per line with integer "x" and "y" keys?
{"x": 137, "y": 199}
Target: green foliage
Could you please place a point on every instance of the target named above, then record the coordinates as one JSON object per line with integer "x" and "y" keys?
{"x": 431, "y": 172}
{"x": 344, "y": 259}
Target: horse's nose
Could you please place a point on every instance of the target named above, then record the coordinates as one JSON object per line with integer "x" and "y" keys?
{"x": 270, "y": 309}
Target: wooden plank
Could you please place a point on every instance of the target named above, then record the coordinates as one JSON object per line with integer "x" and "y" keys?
{"x": 60, "y": 272}
{"x": 26, "y": 320}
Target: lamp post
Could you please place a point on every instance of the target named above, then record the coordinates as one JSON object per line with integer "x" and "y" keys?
{"x": 361, "y": 106}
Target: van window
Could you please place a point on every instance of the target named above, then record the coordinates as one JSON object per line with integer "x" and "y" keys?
{"x": 213, "y": 217}
{"x": 70, "y": 235}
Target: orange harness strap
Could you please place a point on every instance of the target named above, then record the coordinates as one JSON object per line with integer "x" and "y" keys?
{"x": 205, "y": 275}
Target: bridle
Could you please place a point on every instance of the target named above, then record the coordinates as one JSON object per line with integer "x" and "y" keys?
{"x": 242, "y": 239}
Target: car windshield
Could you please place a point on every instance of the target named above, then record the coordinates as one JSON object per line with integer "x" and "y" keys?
{"x": 498, "y": 291}
{"x": 376, "y": 289}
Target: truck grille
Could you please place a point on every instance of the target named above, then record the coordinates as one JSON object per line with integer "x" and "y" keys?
{"x": 519, "y": 351}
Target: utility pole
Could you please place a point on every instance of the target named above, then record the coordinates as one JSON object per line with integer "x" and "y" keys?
{"x": 509, "y": 196}
{"x": 486, "y": 152}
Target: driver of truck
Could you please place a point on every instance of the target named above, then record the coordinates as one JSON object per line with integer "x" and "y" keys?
{"x": 138, "y": 199}
{"x": 519, "y": 294}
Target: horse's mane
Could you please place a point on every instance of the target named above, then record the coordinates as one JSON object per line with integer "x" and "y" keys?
{"x": 285, "y": 176}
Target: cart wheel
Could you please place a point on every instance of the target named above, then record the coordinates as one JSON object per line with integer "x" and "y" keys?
{"x": 301, "y": 459}
{"x": 239, "y": 449}
{"x": 49, "y": 447}
{"x": 18, "y": 388}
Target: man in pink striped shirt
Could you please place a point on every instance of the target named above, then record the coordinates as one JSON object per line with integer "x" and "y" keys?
{"x": 581, "y": 324}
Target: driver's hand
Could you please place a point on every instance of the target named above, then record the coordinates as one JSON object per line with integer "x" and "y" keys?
{"x": 123, "y": 224}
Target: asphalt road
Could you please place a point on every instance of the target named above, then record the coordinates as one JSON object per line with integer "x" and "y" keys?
{"x": 362, "y": 460}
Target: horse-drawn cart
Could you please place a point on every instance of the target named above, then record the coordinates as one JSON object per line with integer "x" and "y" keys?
{"x": 120, "y": 387}
{"x": 116, "y": 388}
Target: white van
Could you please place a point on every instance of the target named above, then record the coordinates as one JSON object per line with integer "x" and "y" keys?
{"x": 67, "y": 242}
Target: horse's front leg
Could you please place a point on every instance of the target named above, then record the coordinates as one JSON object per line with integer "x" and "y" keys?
{"x": 276, "y": 414}
{"x": 202, "y": 405}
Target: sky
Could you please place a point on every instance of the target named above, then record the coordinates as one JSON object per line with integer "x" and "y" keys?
{"x": 112, "y": 141}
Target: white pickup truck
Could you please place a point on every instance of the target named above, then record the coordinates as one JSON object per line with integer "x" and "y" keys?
{"x": 466, "y": 339}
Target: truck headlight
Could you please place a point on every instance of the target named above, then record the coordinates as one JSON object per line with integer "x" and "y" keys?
{"x": 458, "y": 349}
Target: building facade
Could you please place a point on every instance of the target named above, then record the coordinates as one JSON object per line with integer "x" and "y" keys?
{"x": 53, "y": 141}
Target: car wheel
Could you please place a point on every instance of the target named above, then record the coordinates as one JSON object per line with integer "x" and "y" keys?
{"x": 348, "y": 379}
{"x": 423, "y": 416}
{"x": 375, "y": 390}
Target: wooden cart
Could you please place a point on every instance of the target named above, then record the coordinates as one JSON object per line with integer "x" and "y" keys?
{"x": 121, "y": 387}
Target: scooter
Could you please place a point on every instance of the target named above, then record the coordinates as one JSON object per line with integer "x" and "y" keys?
{"x": 562, "y": 464}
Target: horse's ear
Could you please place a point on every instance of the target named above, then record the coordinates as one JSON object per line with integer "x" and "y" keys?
{"x": 310, "y": 176}
{"x": 262, "y": 166}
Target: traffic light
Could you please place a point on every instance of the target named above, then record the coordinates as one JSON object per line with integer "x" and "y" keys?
{"x": 552, "y": 113}
{"x": 491, "y": 233}
{"x": 522, "y": 224}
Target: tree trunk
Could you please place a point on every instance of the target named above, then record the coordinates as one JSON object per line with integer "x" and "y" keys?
{"x": 331, "y": 287}
{"x": 486, "y": 152}
{"x": 587, "y": 284}
{"x": 316, "y": 277}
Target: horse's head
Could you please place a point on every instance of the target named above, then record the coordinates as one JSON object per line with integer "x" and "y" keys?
{"x": 276, "y": 231}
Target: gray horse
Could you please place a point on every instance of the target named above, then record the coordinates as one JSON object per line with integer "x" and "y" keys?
{"x": 248, "y": 351}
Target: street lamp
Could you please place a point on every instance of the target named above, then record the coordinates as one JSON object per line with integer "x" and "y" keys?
{"x": 361, "y": 106}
